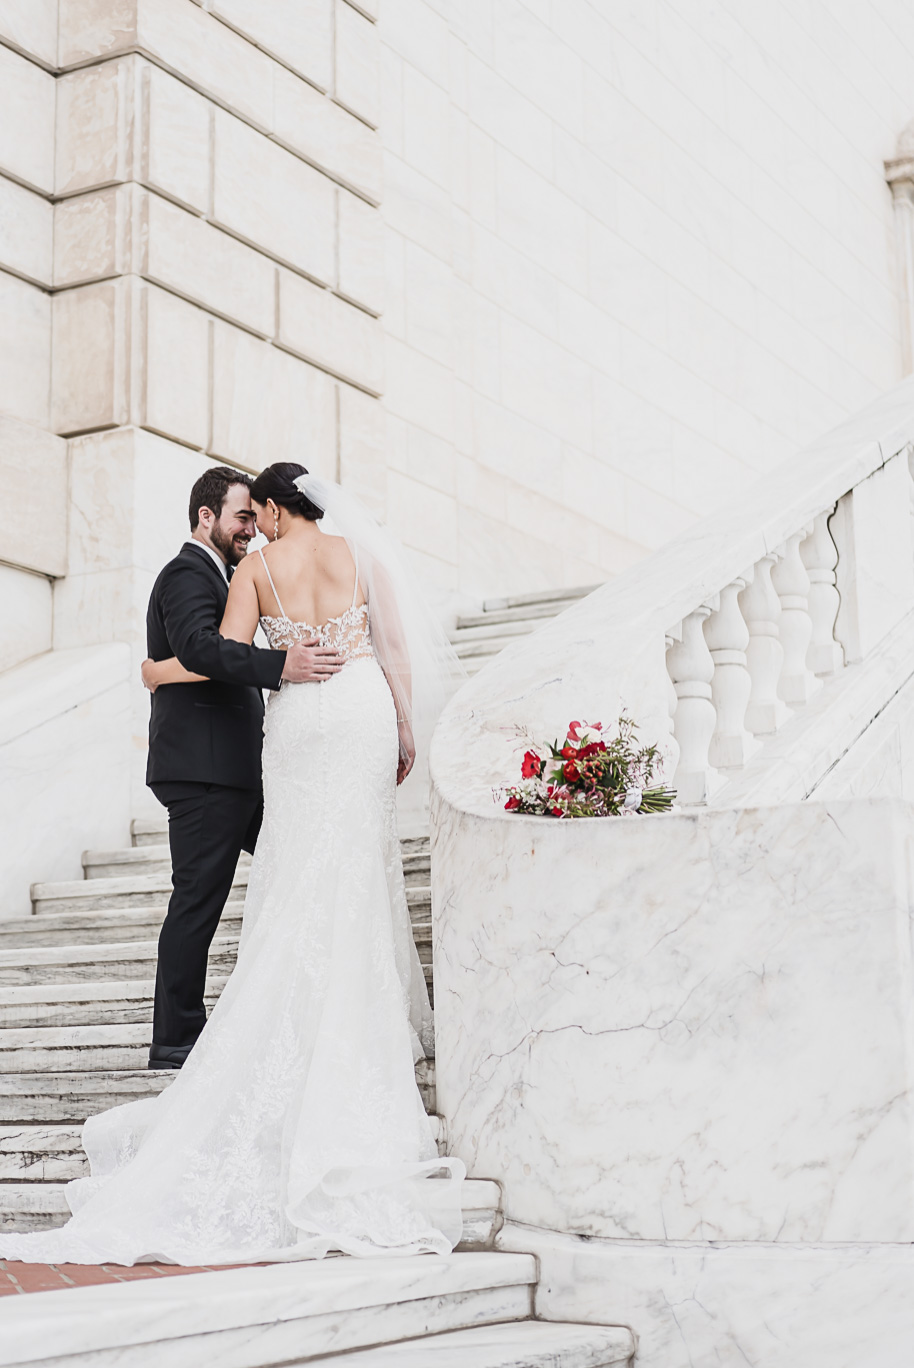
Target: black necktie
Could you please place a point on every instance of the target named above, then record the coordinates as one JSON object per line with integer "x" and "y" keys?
{"x": 229, "y": 571}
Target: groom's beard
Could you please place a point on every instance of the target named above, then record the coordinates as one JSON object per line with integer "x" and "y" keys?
{"x": 234, "y": 549}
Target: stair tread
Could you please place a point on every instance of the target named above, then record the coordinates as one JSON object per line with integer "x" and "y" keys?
{"x": 478, "y": 1194}
{"x": 99, "y": 890}
{"x": 151, "y": 1311}
{"x": 90, "y": 954}
{"x": 534, "y": 613}
{"x": 89, "y": 990}
{"x": 537, "y": 596}
{"x": 513, "y": 1344}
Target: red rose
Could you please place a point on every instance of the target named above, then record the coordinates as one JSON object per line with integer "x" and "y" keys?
{"x": 556, "y": 812}
{"x": 532, "y": 767}
{"x": 512, "y": 803}
{"x": 569, "y": 752}
{"x": 570, "y": 771}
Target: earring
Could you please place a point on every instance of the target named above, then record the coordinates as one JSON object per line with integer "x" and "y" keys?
{"x": 275, "y": 527}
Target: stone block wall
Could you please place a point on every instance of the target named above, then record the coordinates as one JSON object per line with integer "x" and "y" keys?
{"x": 637, "y": 254}
{"x": 191, "y": 270}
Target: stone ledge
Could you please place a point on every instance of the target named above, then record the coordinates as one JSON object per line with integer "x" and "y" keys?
{"x": 295, "y": 1310}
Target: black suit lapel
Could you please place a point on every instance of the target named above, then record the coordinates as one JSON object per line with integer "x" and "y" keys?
{"x": 197, "y": 552}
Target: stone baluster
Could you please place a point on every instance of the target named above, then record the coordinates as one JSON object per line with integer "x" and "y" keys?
{"x": 761, "y": 609}
{"x": 820, "y": 556}
{"x": 797, "y": 683}
{"x": 691, "y": 669}
{"x": 727, "y": 638}
{"x": 671, "y": 755}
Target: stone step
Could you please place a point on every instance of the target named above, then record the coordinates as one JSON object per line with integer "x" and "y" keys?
{"x": 66, "y": 1049}
{"x": 146, "y": 831}
{"x": 54, "y": 1154}
{"x": 516, "y": 1344}
{"x": 155, "y": 861}
{"x": 495, "y": 605}
{"x": 69, "y": 1097}
{"x": 100, "y": 926}
{"x": 532, "y": 613}
{"x": 103, "y": 925}
{"x": 43, "y": 1206}
{"x": 132, "y": 890}
{"x": 286, "y": 1313}
{"x": 491, "y": 636}
{"x": 123, "y": 960}
{"x": 74, "y": 1049}
{"x": 44, "y": 964}
{"x": 146, "y": 890}
{"x": 85, "y": 1004}
{"x": 152, "y": 860}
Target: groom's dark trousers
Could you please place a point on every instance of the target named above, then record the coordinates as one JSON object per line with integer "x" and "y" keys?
{"x": 204, "y": 766}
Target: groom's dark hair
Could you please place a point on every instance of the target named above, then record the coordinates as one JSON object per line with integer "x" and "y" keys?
{"x": 211, "y": 489}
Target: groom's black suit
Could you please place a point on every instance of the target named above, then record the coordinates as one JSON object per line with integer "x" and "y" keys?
{"x": 204, "y": 766}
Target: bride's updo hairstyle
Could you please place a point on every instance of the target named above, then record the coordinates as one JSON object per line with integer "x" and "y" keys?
{"x": 277, "y": 482}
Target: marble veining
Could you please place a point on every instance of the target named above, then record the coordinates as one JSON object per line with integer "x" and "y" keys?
{"x": 682, "y": 1027}
{"x": 696, "y": 1305}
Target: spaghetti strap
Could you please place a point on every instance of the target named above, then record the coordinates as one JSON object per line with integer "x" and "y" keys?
{"x": 282, "y": 611}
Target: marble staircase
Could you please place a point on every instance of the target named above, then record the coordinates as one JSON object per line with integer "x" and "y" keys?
{"x": 478, "y": 637}
{"x": 76, "y": 989}
{"x": 76, "y": 993}
{"x": 462, "y": 1311}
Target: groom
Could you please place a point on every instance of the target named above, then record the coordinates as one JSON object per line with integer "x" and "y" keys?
{"x": 205, "y": 743}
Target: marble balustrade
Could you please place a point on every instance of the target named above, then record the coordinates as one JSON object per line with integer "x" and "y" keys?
{"x": 683, "y": 1042}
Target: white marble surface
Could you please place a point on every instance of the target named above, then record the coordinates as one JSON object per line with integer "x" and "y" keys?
{"x": 698, "y": 1305}
{"x": 311, "y": 1307}
{"x": 64, "y": 764}
{"x": 882, "y": 761}
{"x": 29, "y": 454}
{"x": 682, "y": 1027}
{"x": 871, "y": 528}
{"x": 607, "y": 650}
{"x": 524, "y": 1344}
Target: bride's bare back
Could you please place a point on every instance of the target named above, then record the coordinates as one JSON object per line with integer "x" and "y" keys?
{"x": 313, "y": 575}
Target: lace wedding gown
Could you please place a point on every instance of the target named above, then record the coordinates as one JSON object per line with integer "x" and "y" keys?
{"x": 295, "y": 1128}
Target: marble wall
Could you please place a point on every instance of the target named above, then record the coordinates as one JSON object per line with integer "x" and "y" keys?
{"x": 773, "y": 1306}
{"x": 693, "y": 1027}
{"x": 684, "y": 1045}
{"x": 65, "y": 765}
{"x": 636, "y": 255}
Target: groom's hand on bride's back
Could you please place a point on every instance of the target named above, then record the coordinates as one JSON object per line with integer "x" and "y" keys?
{"x": 307, "y": 662}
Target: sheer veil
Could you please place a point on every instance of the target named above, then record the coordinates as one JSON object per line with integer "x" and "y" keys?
{"x": 411, "y": 645}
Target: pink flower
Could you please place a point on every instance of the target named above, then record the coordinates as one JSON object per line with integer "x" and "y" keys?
{"x": 578, "y": 731}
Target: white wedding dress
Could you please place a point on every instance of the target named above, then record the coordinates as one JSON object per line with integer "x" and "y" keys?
{"x": 296, "y": 1127}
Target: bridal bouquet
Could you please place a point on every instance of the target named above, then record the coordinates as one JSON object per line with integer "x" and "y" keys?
{"x": 591, "y": 774}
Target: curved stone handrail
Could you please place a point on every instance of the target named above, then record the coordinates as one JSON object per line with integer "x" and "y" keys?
{"x": 744, "y": 605}
{"x": 65, "y": 732}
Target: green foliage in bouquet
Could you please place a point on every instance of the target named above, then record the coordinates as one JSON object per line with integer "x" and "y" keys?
{"x": 592, "y": 774}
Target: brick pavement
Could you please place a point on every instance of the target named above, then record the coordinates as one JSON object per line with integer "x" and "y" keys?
{"x": 18, "y": 1277}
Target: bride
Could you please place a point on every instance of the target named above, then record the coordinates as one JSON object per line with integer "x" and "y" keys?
{"x": 296, "y": 1128}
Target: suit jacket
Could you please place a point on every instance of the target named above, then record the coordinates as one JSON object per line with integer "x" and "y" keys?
{"x": 210, "y": 733}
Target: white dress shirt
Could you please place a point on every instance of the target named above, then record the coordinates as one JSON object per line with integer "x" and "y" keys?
{"x": 217, "y": 558}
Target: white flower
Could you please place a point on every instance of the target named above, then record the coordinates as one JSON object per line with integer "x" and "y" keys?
{"x": 632, "y": 800}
